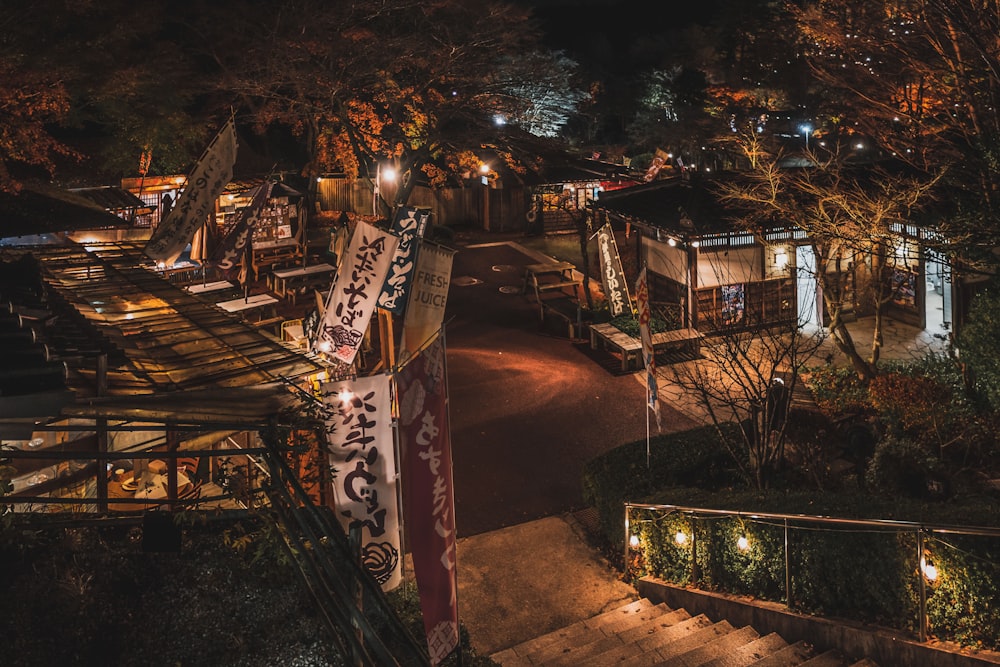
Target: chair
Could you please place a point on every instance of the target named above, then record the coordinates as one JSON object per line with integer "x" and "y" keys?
{"x": 188, "y": 465}
{"x": 192, "y": 493}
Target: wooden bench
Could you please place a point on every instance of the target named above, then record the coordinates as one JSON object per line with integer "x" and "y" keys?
{"x": 615, "y": 340}
{"x": 683, "y": 338}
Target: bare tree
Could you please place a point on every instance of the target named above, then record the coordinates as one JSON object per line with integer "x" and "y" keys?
{"x": 853, "y": 217}
{"x": 749, "y": 371}
{"x": 921, "y": 78}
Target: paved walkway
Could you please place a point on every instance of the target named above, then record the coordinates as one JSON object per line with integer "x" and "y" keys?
{"x": 520, "y": 582}
{"x": 528, "y": 579}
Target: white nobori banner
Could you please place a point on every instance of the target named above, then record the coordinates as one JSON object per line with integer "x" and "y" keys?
{"x": 360, "y": 276}
{"x": 358, "y": 418}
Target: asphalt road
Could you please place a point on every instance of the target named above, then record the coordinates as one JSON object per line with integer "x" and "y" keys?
{"x": 528, "y": 408}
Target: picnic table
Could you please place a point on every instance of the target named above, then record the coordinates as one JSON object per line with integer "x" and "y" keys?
{"x": 551, "y": 276}
{"x": 278, "y": 252}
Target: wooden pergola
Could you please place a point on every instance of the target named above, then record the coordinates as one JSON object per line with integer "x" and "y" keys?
{"x": 154, "y": 371}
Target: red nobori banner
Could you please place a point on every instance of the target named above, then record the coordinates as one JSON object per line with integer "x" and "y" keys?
{"x": 425, "y": 439}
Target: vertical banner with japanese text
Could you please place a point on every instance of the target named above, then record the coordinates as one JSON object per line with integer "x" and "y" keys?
{"x": 425, "y": 438}
{"x": 358, "y": 419}
{"x": 428, "y": 297}
{"x": 360, "y": 275}
{"x": 409, "y": 224}
{"x": 197, "y": 201}
{"x": 612, "y": 274}
{"x": 237, "y": 241}
{"x": 645, "y": 335}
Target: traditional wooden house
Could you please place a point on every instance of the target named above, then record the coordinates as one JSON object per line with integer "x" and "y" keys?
{"x": 718, "y": 276}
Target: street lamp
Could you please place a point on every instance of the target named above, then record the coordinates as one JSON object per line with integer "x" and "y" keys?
{"x": 806, "y": 131}
{"x": 387, "y": 175}
{"x": 484, "y": 178}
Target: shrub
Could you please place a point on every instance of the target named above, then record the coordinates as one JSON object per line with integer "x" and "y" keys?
{"x": 689, "y": 457}
{"x": 979, "y": 342}
{"x": 630, "y": 325}
{"x": 910, "y": 402}
{"x": 902, "y": 466}
{"x": 864, "y": 573}
{"x": 837, "y": 391}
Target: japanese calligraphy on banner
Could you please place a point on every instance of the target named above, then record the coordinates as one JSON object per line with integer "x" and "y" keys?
{"x": 229, "y": 253}
{"x": 204, "y": 185}
{"x": 645, "y": 335}
{"x": 363, "y": 470}
{"x": 352, "y": 300}
{"x": 612, "y": 275}
{"x": 410, "y": 224}
{"x": 425, "y": 438}
{"x": 428, "y": 297}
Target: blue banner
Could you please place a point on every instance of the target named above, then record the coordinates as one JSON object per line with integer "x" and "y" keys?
{"x": 409, "y": 225}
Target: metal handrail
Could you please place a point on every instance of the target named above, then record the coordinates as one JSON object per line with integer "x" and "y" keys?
{"x": 920, "y": 530}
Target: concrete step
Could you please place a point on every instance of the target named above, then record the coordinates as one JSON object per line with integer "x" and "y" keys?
{"x": 640, "y": 634}
{"x": 653, "y": 625}
{"x": 827, "y": 659}
{"x": 604, "y": 637}
{"x": 716, "y": 648}
{"x": 640, "y": 648}
{"x": 674, "y": 649}
{"x": 750, "y": 654}
{"x": 570, "y": 633}
{"x": 790, "y": 656}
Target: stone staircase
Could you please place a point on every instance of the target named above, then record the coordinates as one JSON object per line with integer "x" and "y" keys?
{"x": 641, "y": 634}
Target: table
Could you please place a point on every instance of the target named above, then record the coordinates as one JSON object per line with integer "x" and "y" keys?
{"x": 154, "y": 487}
{"x": 287, "y": 282}
{"x": 242, "y": 304}
{"x": 216, "y": 286}
{"x": 273, "y": 245}
{"x": 151, "y": 486}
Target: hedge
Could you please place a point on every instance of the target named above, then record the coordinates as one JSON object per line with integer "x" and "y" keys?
{"x": 863, "y": 574}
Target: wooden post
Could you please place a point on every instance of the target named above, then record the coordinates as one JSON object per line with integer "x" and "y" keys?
{"x": 387, "y": 341}
{"x": 172, "y": 443}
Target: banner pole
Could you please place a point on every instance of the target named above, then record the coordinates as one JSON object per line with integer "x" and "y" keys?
{"x": 647, "y": 421}
{"x": 447, "y": 416}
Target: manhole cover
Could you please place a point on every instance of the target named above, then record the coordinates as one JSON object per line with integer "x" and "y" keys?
{"x": 504, "y": 268}
{"x": 465, "y": 281}
{"x": 510, "y": 289}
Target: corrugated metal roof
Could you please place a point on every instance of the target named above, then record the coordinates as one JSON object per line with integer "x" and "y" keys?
{"x": 163, "y": 340}
{"x": 32, "y": 212}
{"x": 112, "y": 198}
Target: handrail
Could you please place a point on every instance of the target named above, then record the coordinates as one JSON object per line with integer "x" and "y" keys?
{"x": 920, "y": 530}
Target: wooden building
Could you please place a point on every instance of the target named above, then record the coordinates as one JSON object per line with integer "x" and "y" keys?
{"x": 718, "y": 276}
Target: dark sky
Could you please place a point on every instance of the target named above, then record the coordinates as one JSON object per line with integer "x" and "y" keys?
{"x": 599, "y": 29}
